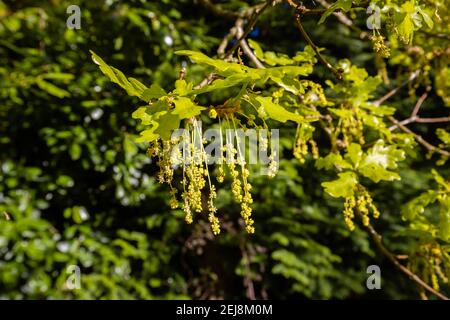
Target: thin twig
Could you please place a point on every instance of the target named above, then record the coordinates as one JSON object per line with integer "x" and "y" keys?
{"x": 223, "y": 45}
{"x": 337, "y": 73}
{"x": 433, "y": 120}
{"x": 244, "y": 45}
{"x": 345, "y": 20}
{"x": 419, "y": 103}
{"x": 257, "y": 11}
{"x": 391, "y": 93}
{"x": 207, "y": 80}
{"x": 379, "y": 243}
{"x": 419, "y": 138}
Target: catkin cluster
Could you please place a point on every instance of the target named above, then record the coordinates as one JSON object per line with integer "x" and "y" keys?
{"x": 198, "y": 192}
{"x": 432, "y": 262}
{"x": 360, "y": 202}
{"x": 379, "y": 46}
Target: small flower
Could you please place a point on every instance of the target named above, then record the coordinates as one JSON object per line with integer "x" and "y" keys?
{"x": 212, "y": 113}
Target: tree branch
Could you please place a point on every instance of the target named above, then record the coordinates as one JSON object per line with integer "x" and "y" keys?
{"x": 345, "y": 20}
{"x": 420, "y": 102}
{"x": 391, "y": 93}
{"x": 379, "y": 243}
{"x": 256, "y": 12}
{"x": 337, "y": 73}
{"x": 244, "y": 45}
{"x": 419, "y": 138}
{"x": 433, "y": 120}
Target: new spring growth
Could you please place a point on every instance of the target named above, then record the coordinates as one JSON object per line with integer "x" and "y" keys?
{"x": 363, "y": 203}
{"x": 379, "y": 45}
{"x": 191, "y": 153}
{"x": 303, "y": 138}
{"x": 432, "y": 262}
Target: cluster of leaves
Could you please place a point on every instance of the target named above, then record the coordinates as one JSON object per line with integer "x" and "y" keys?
{"x": 76, "y": 187}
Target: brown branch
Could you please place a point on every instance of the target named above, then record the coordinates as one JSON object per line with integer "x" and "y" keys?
{"x": 256, "y": 13}
{"x": 342, "y": 17}
{"x": 337, "y": 73}
{"x": 433, "y": 120}
{"x": 391, "y": 93}
{"x": 414, "y": 114}
{"x": 244, "y": 45}
{"x": 208, "y": 79}
{"x": 391, "y": 257}
{"x": 223, "y": 45}
{"x": 419, "y": 138}
{"x": 420, "y": 102}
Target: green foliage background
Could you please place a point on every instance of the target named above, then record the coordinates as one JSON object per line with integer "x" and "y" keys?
{"x": 80, "y": 191}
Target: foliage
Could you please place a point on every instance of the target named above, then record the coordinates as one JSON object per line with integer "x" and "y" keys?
{"x": 83, "y": 192}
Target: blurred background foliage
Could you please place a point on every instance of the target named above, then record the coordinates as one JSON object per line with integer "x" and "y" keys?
{"x": 75, "y": 189}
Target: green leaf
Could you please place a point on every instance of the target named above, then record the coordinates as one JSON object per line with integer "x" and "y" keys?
{"x": 185, "y": 108}
{"x": 405, "y": 21}
{"x": 154, "y": 92}
{"x": 342, "y": 187}
{"x": 182, "y": 88}
{"x": 148, "y": 135}
{"x": 231, "y": 81}
{"x": 256, "y": 49}
{"x": 132, "y": 86}
{"x": 65, "y": 181}
{"x": 166, "y": 124}
{"x": 273, "y": 59}
{"x": 443, "y": 135}
{"x": 354, "y": 153}
{"x": 138, "y": 86}
{"x": 444, "y": 225}
{"x": 58, "y": 76}
{"x": 417, "y": 206}
{"x": 141, "y": 114}
{"x": 265, "y": 105}
{"x": 223, "y": 67}
{"x": 429, "y": 22}
{"x": 332, "y": 160}
{"x": 75, "y": 151}
{"x": 52, "y": 89}
{"x": 378, "y": 160}
{"x": 345, "y": 5}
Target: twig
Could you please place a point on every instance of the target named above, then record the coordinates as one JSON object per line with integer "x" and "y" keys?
{"x": 419, "y": 138}
{"x": 345, "y": 20}
{"x": 337, "y": 73}
{"x": 223, "y": 45}
{"x": 433, "y": 120}
{"x": 257, "y": 11}
{"x": 420, "y": 102}
{"x": 244, "y": 45}
{"x": 208, "y": 79}
{"x": 413, "y": 76}
{"x": 379, "y": 243}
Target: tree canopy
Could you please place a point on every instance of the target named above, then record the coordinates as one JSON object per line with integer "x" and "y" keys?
{"x": 353, "y": 98}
